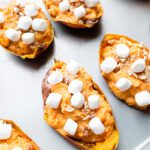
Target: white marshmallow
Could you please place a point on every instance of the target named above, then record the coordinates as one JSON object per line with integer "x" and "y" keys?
{"x": 21, "y": 2}
{"x": 108, "y": 65}
{"x": 53, "y": 100}
{"x": 143, "y": 98}
{"x": 71, "y": 127}
{"x": 2, "y": 19}
{"x": 94, "y": 101}
{"x": 39, "y": 24}
{"x": 96, "y": 126}
{"x": 122, "y": 51}
{"x": 24, "y": 22}
{"x": 31, "y": 10}
{"x": 17, "y": 148}
{"x": 77, "y": 100}
{"x": 123, "y": 84}
{"x": 138, "y": 66}
{"x": 12, "y": 34}
{"x": 55, "y": 78}
{"x": 91, "y": 3}
{"x": 28, "y": 38}
{"x": 64, "y": 6}
{"x": 16, "y": 9}
{"x": 79, "y": 12}
{"x": 73, "y": 67}
{"x": 75, "y": 86}
{"x": 5, "y": 131}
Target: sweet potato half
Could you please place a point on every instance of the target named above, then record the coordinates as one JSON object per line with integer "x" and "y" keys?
{"x": 56, "y": 118}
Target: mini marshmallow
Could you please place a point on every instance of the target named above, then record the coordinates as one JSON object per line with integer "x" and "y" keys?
{"x": 122, "y": 51}
{"x": 21, "y": 2}
{"x": 138, "y": 66}
{"x": 64, "y": 6}
{"x": 142, "y": 98}
{"x": 73, "y": 67}
{"x": 123, "y": 84}
{"x": 31, "y": 10}
{"x": 12, "y": 34}
{"x": 94, "y": 101}
{"x": 96, "y": 126}
{"x": 108, "y": 65}
{"x": 91, "y": 3}
{"x": 17, "y": 148}
{"x": 71, "y": 127}
{"x": 5, "y": 131}
{"x": 28, "y": 38}
{"x": 55, "y": 78}
{"x": 79, "y": 12}
{"x": 39, "y": 24}
{"x": 53, "y": 100}
{"x": 24, "y": 22}
{"x": 2, "y": 19}
{"x": 75, "y": 86}
{"x": 77, "y": 100}
{"x": 16, "y": 9}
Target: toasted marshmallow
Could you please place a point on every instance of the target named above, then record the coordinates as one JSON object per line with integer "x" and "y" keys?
{"x": 53, "y": 100}
{"x": 24, "y": 22}
{"x": 75, "y": 86}
{"x": 71, "y": 127}
{"x": 123, "y": 84}
{"x": 94, "y": 101}
{"x": 2, "y": 19}
{"x": 138, "y": 66}
{"x": 17, "y": 148}
{"x": 91, "y": 3}
{"x": 73, "y": 67}
{"x": 12, "y": 35}
{"x": 96, "y": 126}
{"x": 143, "y": 98}
{"x": 122, "y": 51}
{"x": 5, "y": 131}
{"x": 55, "y": 78}
{"x": 28, "y": 38}
{"x": 79, "y": 12}
{"x": 108, "y": 65}
{"x": 31, "y": 10}
{"x": 77, "y": 100}
{"x": 39, "y": 24}
{"x": 64, "y": 6}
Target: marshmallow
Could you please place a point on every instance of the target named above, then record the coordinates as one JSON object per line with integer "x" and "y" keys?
{"x": 39, "y": 24}
{"x": 75, "y": 86}
{"x": 123, "y": 84}
{"x": 122, "y": 51}
{"x": 77, "y": 100}
{"x": 5, "y": 131}
{"x": 28, "y": 38}
{"x": 24, "y": 22}
{"x": 21, "y": 2}
{"x": 96, "y": 126}
{"x": 17, "y": 148}
{"x": 54, "y": 100}
{"x": 79, "y": 12}
{"x": 2, "y": 19}
{"x": 94, "y": 101}
{"x": 16, "y": 9}
{"x": 73, "y": 67}
{"x": 108, "y": 65}
{"x": 91, "y": 3}
{"x": 31, "y": 10}
{"x": 64, "y": 6}
{"x": 55, "y": 78}
{"x": 12, "y": 34}
{"x": 71, "y": 127}
{"x": 138, "y": 66}
{"x": 143, "y": 98}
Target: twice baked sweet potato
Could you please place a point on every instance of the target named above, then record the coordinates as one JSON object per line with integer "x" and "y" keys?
{"x": 79, "y": 133}
{"x": 12, "y": 137}
{"x": 128, "y": 71}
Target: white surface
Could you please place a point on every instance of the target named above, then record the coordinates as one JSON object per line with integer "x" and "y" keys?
{"x": 20, "y": 80}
